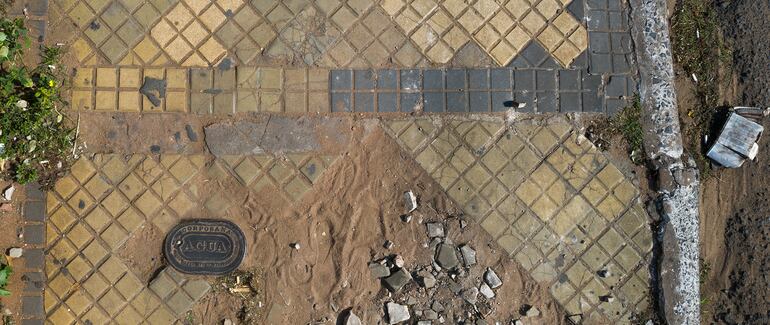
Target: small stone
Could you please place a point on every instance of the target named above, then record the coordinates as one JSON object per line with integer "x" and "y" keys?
{"x": 6, "y": 207}
{"x": 411, "y": 300}
{"x": 388, "y": 244}
{"x": 294, "y": 246}
{"x": 410, "y": 201}
{"x": 455, "y": 287}
{"x": 397, "y": 280}
{"x": 378, "y": 270}
{"x": 446, "y": 256}
{"x": 397, "y": 313}
{"x": 8, "y": 193}
{"x": 424, "y": 322}
{"x": 517, "y": 322}
{"x": 15, "y": 252}
{"x": 437, "y": 307}
{"x": 430, "y": 314}
{"x": 352, "y": 319}
{"x": 491, "y": 278}
{"x": 427, "y": 280}
{"x": 463, "y": 223}
{"x": 406, "y": 218}
{"x": 227, "y": 322}
{"x": 486, "y": 291}
{"x": 471, "y": 295}
{"x": 607, "y": 298}
{"x": 603, "y": 273}
{"x": 469, "y": 255}
{"x": 398, "y": 260}
{"x": 435, "y": 229}
{"x": 529, "y": 311}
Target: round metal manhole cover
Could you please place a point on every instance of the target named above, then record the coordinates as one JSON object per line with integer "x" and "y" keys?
{"x": 208, "y": 247}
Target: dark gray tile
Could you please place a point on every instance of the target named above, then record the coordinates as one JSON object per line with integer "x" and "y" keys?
{"x": 34, "y": 192}
{"x": 387, "y": 102}
{"x": 581, "y": 61}
{"x": 616, "y": 86}
{"x": 519, "y": 62}
{"x": 387, "y": 79}
{"x": 32, "y": 306}
{"x": 592, "y": 82}
{"x": 597, "y": 20}
{"x": 592, "y": 102}
{"x": 455, "y": 79}
{"x": 341, "y": 102}
{"x": 621, "y": 43}
{"x": 546, "y": 80}
{"x": 410, "y": 101}
{"x": 569, "y": 80}
{"x": 501, "y": 101}
{"x": 34, "y": 286}
{"x": 534, "y": 53}
{"x": 617, "y": 22}
{"x": 433, "y": 102}
{"x": 600, "y": 63}
{"x": 546, "y": 102}
{"x": 524, "y": 80}
{"x": 433, "y": 79}
{"x": 363, "y": 79}
{"x": 525, "y": 98}
{"x": 479, "y": 101}
{"x": 614, "y": 4}
{"x": 549, "y": 63}
{"x": 576, "y": 9}
{"x": 34, "y": 211}
{"x": 599, "y": 42}
{"x": 410, "y": 79}
{"x": 569, "y": 102}
{"x": 456, "y": 102}
{"x": 500, "y": 79}
{"x": 36, "y": 29}
{"x": 597, "y": 4}
{"x": 478, "y": 79}
{"x": 34, "y": 234}
{"x": 620, "y": 64}
{"x": 615, "y": 105}
{"x": 341, "y": 80}
{"x": 364, "y": 102}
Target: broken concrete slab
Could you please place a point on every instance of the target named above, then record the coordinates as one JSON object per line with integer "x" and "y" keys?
{"x": 397, "y": 313}
{"x": 397, "y": 280}
{"x": 435, "y": 229}
{"x": 491, "y": 278}
{"x": 471, "y": 295}
{"x": 275, "y": 134}
{"x": 378, "y": 270}
{"x": 352, "y": 319}
{"x": 410, "y": 201}
{"x": 446, "y": 257}
{"x": 469, "y": 255}
{"x": 485, "y": 290}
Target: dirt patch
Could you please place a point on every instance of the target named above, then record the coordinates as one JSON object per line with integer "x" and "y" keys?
{"x": 342, "y": 224}
{"x": 9, "y": 237}
{"x": 142, "y": 252}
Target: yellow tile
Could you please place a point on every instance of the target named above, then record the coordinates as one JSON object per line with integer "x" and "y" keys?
{"x": 177, "y": 49}
{"x": 503, "y": 53}
{"x": 105, "y": 100}
{"x": 81, "y": 100}
{"x": 179, "y": 16}
{"x": 565, "y": 22}
{"x": 211, "y": 50}
{"x": 195, "y": 33}
{"x": 550, "y": 38}
{"x": 486, "y": 36}
{"x": 212, "y": 17}
{"x": 83, "y": 77}
{"x": 130, "y": 78}
{"x": 176, "y": 78}
{"x": 532, "y": 23}
{"x": 61, "y": 316}
{"x": 128, "y": 101}
{"x": 517, "y": 7}
{"x": 163, "y": 32}
{"x": 580, "y": 38}
{"x": 146, "y": 50}
{"x": 176, "y": 102}
{"x": 440, "y": 53}
{"x": 548, "y": 8}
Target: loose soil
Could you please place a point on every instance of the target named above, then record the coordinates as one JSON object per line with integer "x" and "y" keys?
{"x": 735, "y": 232}
{"x": 9, "y": 237}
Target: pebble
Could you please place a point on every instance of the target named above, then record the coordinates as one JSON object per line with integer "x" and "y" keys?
{"x": 398, "y": 260}
{"x": 378, "y": 270}
{"x": 424, "y": 322}
{"x": 427, "y": 280}
{"x": 435, "y": 229}
{"x": 388, "y": 244}
{"x": 397, "y": 313}
{"x": 430, "y": 314}
{"x": 486, "y": 291}
{"x": 491, "y": 278}
{"x": 529, "y": 311}
{"x": 471, "y": 295}
{"x": 352, "y": 319}
{"x": 294, "y": 246}
{"x": 397, "y": 280}
{"x": 410, "y": 201}
{"x": 15, "y": 252}
{"x": 8, "y": 193}
{"x": 227, "y": 322}
{"x": 446, "y": 256}
{"x": 406, "y": 218}
{"x": 469, "y": 255}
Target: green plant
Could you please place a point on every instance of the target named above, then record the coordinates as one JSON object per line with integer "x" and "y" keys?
{"x": 5, "y": 274}
{"x": 628, "y": 123}
{"x": 36, "y": 139}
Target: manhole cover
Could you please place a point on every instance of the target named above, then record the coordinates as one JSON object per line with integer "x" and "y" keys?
{"x": 210, "y": 247}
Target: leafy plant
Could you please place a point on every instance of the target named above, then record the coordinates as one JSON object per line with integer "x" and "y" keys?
{"x": 5, "y": 274}
{"x": 36, "y": 139}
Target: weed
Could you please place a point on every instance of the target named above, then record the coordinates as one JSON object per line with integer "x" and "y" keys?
{"x": 628, "y": 124}
{"x": 36, "y": 139}
{"x": 5, "y": 274}
{"x": 700, "y": 50}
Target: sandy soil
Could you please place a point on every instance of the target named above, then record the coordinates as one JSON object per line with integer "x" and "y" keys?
{"x": 9, "y": 237}
{"x": 341, "y": 226}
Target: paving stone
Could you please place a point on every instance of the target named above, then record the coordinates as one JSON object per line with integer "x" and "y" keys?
{"x": 410, "y": 102}
{"x": 410, "y": 80}
{"x": 364, "y": 79}
{"x": 397, "y": 280}
{"x": 387, "y": 102}
{"x": 34, "y": 211}
{"x": 455, "y": 79}
{"x": 478, "y": 79}
{"x": 34, "y": 259}
{"x": 524, "y": 80}
{"x": 433, "y": 102}
{"x": 341, "y": 102}
{"x": 446, "y": 256}
{"x": 501, "y": 101}
{"x": 32, "y": 306}
{"x": 387, "y": 79}
{"x": 570, "y": 102}
{"x": 433, "y": 80}
{"x": 457, "y": 102}
{"x": 546, "y": 80}
{"x": 364, "y": 102}
{"x": 547, "y": 102}
{"x": 34, "y": 234}
{"x": 341, "y": 80}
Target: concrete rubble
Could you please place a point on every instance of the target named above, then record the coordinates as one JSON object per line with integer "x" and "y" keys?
{"x": 397, "y": 313}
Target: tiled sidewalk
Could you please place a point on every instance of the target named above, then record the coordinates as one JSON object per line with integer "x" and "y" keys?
{"x": 567, "y": 56}
{"x": 555, "y": 204}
